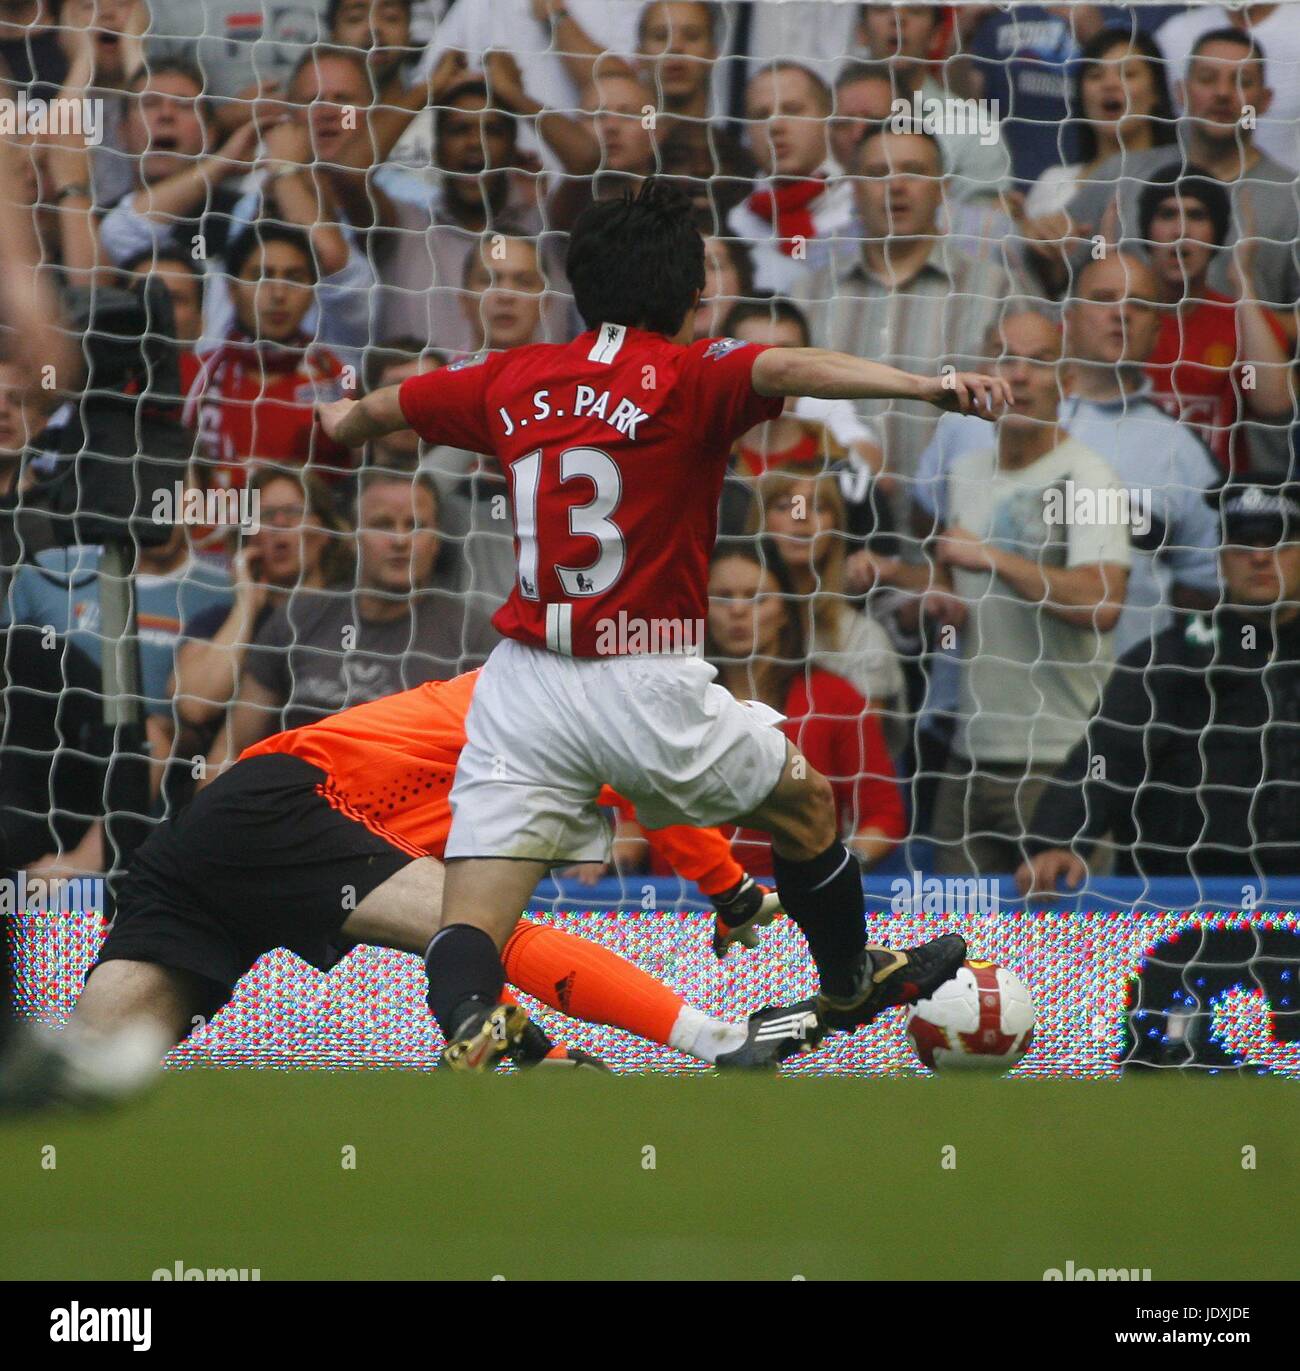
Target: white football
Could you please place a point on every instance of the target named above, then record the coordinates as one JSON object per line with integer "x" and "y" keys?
{"x": 981, "y": 1018}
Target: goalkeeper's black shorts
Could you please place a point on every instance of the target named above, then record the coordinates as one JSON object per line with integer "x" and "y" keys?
{"x": 258, "y": 860}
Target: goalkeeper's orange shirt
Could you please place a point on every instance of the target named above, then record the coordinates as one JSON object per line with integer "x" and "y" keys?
{"x": 389, "y": 765}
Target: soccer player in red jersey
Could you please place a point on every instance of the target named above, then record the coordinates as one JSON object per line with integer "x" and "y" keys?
{"x": 614, "y": 446}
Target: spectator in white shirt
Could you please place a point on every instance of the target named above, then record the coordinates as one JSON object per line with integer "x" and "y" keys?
{"x": 1277, "y": 29}
{"x": 806, "y": 199}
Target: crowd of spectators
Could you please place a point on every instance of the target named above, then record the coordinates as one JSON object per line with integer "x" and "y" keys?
{"x": 1060, "y": 644}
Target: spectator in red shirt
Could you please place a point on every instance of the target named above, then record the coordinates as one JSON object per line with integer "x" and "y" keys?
{"x": 757, "y": 640}
{"x": 1217, "y": 360}
{"x": 254, "y": 396}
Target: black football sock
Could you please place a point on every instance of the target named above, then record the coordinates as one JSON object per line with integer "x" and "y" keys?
{"x": 824, "y": 897}
{"x": 465, "y": 974}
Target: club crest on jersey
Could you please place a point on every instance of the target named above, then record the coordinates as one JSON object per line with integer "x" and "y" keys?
{"x": 609, "y": 339}
{"x": 721, "y": 346}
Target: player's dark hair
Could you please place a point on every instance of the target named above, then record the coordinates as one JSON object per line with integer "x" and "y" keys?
{"x": 1161, "y": 117}
{"x": 774, "y": 311}
{"x": 261, "y": 232}
{"x": 1192, "y": 182}
{"x": 637, "y": 260}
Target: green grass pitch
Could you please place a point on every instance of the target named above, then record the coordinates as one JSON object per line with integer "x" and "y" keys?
{"x": 528, "y": 1178}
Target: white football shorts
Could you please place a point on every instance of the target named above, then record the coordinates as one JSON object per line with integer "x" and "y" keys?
{"x": 545, "y": 732}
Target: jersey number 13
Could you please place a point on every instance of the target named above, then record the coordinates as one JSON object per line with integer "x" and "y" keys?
{"x": 592, "y": 520}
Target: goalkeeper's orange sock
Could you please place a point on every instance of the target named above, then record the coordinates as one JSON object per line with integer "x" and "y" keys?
{"x": 587, "y": 981}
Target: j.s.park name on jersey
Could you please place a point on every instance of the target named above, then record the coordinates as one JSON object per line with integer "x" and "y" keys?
{"x": 582, "y": 402}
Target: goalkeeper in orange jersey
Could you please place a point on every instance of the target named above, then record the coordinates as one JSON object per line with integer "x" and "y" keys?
{"x": 330, "y": 835}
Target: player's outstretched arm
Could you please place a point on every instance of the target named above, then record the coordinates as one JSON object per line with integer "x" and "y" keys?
{"x": 353, "y": 422}
{"x": 839, "y": 376}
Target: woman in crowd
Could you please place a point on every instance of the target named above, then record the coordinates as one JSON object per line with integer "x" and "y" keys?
{"x": 757, "y": 640}
{"x": 728, "y": 279}
{"x": 803, "y": 515}
{"x": 1121, "y": 105}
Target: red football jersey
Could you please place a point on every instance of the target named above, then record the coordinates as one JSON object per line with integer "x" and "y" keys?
{"x": 614, "y": 446}
{"x": 1195, "y": 372}
{"x": 252, "y": 403}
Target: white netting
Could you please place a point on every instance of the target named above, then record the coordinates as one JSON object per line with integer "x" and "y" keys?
{"x": 243, "y": 209}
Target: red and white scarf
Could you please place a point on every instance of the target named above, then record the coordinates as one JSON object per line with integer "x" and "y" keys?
{"x": 790, "y": 207}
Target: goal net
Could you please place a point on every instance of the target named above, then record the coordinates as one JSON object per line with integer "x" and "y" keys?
{"x": 1051, "y": 665}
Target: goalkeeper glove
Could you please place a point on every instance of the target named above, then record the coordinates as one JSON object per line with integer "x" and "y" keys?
{"x": 741, "y": 912}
